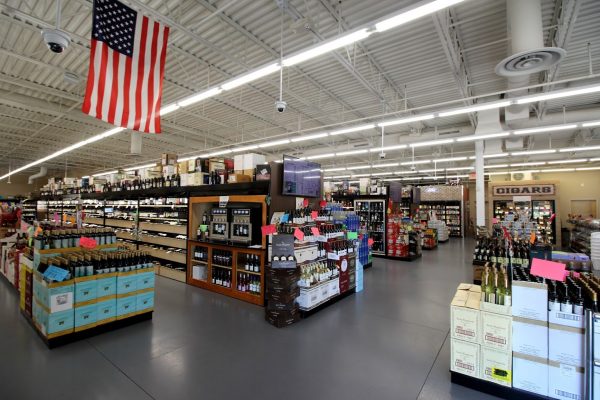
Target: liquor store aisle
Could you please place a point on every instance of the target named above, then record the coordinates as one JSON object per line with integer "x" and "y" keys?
{"x": 390, "y": 341}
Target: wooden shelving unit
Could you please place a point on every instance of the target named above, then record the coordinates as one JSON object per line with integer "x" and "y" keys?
{"x": 197, "y": 205}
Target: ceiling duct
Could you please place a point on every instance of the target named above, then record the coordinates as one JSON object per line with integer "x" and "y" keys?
{"x": 528, "y": 54}
{"x": 42, "y": 173}
{"x": 488, "y": 121}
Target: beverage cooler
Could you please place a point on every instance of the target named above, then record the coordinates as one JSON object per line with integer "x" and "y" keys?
{"x": 372, "y": 214}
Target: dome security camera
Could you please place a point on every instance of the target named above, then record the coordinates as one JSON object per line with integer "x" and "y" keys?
{"x": 56, "y": 40}
{"x": 280, "y": 106}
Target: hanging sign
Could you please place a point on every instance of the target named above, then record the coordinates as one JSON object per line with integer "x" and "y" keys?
{"x": 524, "y": 190}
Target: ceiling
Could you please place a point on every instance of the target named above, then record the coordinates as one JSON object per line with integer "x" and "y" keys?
{"x": 438, "y": 62}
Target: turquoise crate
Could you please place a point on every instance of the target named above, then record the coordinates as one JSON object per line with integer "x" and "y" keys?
{"x": 106, "y": 309}
{"x": 57, "y": 322}
{"x": 145, "y": 280}
{"x": 86, "y": 315}
{"x": 58, "y": 298}
{"x": 126, "y": 284}
{"x": 107, "y": 286}
{"x": 86, "y": 291}
{"x": 145, "y": 301}
{"x": 126, "y": 305}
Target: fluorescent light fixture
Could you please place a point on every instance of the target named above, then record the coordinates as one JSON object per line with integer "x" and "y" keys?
{"x": 450, "y": 159}
{"x": 497, "y": 173}
{"x": 386, "y": 165}
{"x": 245, "y": 148}
{"x": 415, "y": 13}
{"x": 497, "y": 155}
{"x": 389, "y": 148}
{"x": 275, "y": 143}
{"x": 352, "y": 152}
{"x": 415, "y": 162}
{"x": 326, "y": 47}
{"x": 432, "y": 143}
{"x": 483, "y": 137}
{"x": 405, "y": 172}
{"x": 251, "y": 76}
{"x": 199, "y": 97}
{"x": 334, "y": 169}
{"x": 319, "y": 156}
{"x": 532, "y": 152}
{"x": 558, "y": 170}
{"x": 310, "y": 137}
{"x": 382, "y": 173}
{"x": 169, "y": 109}
{"x": 186, "y": 158}
{"x": 364, "y": 166}
{"x": 407, "y": 120}
{"x": 220, "y": 152}
{"x": 588, "y": 169}
{"x": 460, "y": 169}
{"x": 545, "y": 129}
{"x": 495, "y": 166}
{"x": 105, "y": 173}
{"x": 140, "y": 167}
{"x": 340, "y": 176}
{"x": 589, "y": 124}
{"x": 579, "y": 160}
{"x": 528, "y": 164}
{"x": 558, "y": 94}
{"x": 585, "y": 148}
{"x": 458, "y": 176}
{"x": 426, "y": 171}
{"x": 392, "y": 179}
{"x": 352, "y": 129}
{"x": 594, "y": 159}
{"x": 360, "y": 175}
{"x": 470, "y": 109}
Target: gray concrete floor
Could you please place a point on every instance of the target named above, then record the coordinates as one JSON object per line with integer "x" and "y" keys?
{"x": 389, "y": 342}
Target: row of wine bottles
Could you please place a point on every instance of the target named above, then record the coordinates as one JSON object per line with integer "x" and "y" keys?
{"x": 66, "y": 238}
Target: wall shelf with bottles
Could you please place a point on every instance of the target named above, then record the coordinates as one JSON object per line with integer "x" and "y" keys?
{"x": 29, "y": 210}
{"x": 226, "y": 251}
{"x": 451, "y": 212}
{"x": 372, "y": 215}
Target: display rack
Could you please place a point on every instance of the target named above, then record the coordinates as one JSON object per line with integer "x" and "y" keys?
{"x": 451, "y": 212}
{"x": 29, "y": 210}
{"x": 581, "y": 234}
{"x": 221, "y": 268}
{"x": 372, "y": 214}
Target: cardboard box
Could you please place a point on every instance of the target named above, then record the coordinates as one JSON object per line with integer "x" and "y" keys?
{"x": 263, "y": 172}
{"x": 465, "y": 357}
{"x": 237, "y": 178}
{"x": 496, "y": 331}
{"x": 238, "y": 162}
{"x": 530, "y": 374}
{"x": 566, "y": 338}
{"x": 215, "y": 164}
{"x": 565, "y": 381}
{"x": 496, "y": 366}
{"x": 168, "y": 159}
{"x": 530, "y": 337}
{"x": 249, "y": 172}
{"x": 251, "y": 160}
{"x": 530, "y": 300}
{"x": 465, "y": 314}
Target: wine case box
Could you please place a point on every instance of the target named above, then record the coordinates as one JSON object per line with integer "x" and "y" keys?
{"x": 496, "y": 366}
{"x": 565, "y": 382}
{"x": 530, "y": 300}
{"x": 282, "y": 273}
{"x": 263, "y": 172}
{"x": 566, "y": 338}
{"x": 86, "y": 289}
{"x": 286, "y": 297}
{"x": 237, "y": 178}
{"x": 496, "y": 331}
{"x": 86, "y": 317}
{"x": 282, "y": 288}
{"x": 287, "y": 281}
{"x": 465, "y": 357}
{"x": 530, "y": 373}
{"x": 308, "y": 298}
{"x": 168, "y": 159}
{"x": 251, "y": 160}
{"x": 465, "y": 315}
{"x": 530, "y": 337}
{"x": 278, "y": 306}
{"x": 282, "y": 318}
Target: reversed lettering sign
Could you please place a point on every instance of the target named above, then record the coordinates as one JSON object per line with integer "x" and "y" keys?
{"x": 524, "y": 190}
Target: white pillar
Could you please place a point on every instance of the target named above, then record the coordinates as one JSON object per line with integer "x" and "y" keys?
{"x": 479, "y": 184}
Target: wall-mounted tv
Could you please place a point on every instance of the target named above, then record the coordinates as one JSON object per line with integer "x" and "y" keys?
{"x": 301, "y": 178}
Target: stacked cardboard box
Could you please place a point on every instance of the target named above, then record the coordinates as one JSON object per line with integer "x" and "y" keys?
{"x": 496, "y": 343}
{"x": 282, "y": 290}
{"x": 530, "y": 336}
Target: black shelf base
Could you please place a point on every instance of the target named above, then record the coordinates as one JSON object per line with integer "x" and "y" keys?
{"x": 493, "y": 388}
{"x": 409, "y": 258}
{"x": 368, "y": 265}
{"x": 75, "y": 336}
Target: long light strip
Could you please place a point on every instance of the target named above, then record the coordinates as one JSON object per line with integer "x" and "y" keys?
{"x": 352, "y": 152}
{"x": 559, "y": 94}
{"x": 483, "y": 137}
{"x": 310, "y": 137}
{"x": 105, "y": 173}
{"x": 475, "y": 108}
{"x": 274, "y": 143}
{"x": 492, "y": 166}
{"x": 251, "y": 76}
{"x": 414, "y": 14}
{"x": 406, "y": 120}
{"x": 584, "y": 148}
{"x": 528, "y": 164}
{"x": 543, "y": 129}
{"x": 432, "y": 143}
{"x": 352, "y": 129}
{"x": 416, "y": 162}
{"x": 450, "y": 159}
{"x": 532, "y": 152}
{"x": 579, "y": 160}
{"x": 389, "y": 148}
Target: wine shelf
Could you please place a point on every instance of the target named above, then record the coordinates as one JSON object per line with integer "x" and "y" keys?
{"x": 164, "y": 254}
{"x": 166, "y": 228}
{"x": 163, "y": 241}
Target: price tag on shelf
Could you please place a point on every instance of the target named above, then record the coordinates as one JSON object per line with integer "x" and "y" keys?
{"x": 315, "y": 231}
{"x": 548, "y": 269}
{"x": 268, "y": 229}
{"x": 284, "y": 218}
{"x": 53, "y": 273}
{"x": 223, "y": 200}
{"x": 314, "y": 215}
{"x": 298, "y": 234}
{"x": 203, "y": 228}
{"x": 370, "y": 242}
{"x": 532, "y": 238}
{"x": 56, "y": 218}
{"x": 352, "y": 235}
{"x": 87, "y": 243}
{"x": 322, "y": 203}
{"x": 305, "y": 202}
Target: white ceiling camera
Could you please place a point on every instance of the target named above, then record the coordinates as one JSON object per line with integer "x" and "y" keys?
{"x": 56, "y": 40}
{"x": 382, "y": 155}
{"x": 413, "y": 167}
{"x": 280, "y": 105}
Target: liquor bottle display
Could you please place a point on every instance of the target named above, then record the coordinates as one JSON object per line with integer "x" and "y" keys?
{"x": 495, "y": 285}
{"x": 494, "y": 250}
{"x": 59, "y": 238}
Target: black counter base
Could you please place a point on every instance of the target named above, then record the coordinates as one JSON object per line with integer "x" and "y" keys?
{"x": 492, "y": 388}
{"x": 75, "y": 336}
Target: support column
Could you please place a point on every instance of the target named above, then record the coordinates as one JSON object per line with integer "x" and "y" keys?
{"x": 479, "y": 184}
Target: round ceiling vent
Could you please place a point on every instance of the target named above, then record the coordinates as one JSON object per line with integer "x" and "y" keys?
{"x": 531, "y": 61}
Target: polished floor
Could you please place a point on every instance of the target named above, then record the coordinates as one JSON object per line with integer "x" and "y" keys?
{"x": 390, "y": 341}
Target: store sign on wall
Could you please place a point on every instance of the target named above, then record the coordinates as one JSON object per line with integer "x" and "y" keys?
{"x": 524, "y": 190}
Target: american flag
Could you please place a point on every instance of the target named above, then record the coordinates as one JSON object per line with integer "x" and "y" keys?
{"x": 127, "y": 63}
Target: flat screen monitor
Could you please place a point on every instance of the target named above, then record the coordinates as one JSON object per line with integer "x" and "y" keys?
{"x": 301, "y": 178}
